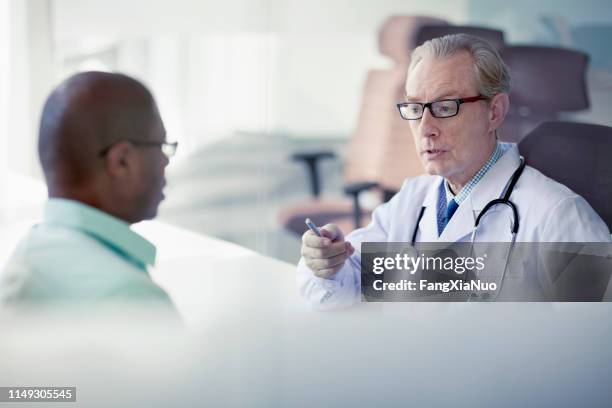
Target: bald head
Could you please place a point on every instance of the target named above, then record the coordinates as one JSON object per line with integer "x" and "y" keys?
{"x": 85, "y": 114}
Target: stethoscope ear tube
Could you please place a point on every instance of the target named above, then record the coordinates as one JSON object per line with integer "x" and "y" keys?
{"x": 515, "y": 176}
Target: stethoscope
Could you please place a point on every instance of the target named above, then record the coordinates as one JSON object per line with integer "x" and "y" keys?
{"x": 504, "y": 200}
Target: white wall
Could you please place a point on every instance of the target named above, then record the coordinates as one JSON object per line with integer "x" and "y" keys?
{"x": 306, "y": 71}
{"x": 30, "y": 78}
{"x": 286, "y": 66}
{"x": 131, "y": 18}
{"x": 5, "y": 74}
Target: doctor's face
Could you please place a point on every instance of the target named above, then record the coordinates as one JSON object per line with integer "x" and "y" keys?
{"x": 455, "y": 147}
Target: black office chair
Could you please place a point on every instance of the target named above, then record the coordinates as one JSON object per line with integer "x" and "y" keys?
{"x": 545, "y": 82}
{"x": 576, "y": 155}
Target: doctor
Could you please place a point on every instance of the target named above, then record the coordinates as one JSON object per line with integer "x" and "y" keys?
{"x": 456, "y": 99}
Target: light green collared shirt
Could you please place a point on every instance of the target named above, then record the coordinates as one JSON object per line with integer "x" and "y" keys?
{"x": 79, "y": 254}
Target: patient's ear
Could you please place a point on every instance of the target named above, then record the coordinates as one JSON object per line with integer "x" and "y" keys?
{"x": 118, "y": 160}
{"x": 499, "y": 106}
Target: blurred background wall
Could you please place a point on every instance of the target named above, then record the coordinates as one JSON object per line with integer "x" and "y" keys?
{"x": 242, "y": 84}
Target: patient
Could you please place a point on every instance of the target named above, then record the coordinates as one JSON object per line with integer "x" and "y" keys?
{"x": 103, "y": 150}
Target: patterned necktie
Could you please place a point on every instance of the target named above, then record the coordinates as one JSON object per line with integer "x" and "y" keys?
{"x": 450, "y": 210}
{"x": 445, "y": 210}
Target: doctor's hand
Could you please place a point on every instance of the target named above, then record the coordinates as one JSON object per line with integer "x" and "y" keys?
{"x": 325, "y": 255}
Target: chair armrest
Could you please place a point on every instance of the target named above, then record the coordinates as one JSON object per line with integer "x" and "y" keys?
{"x": 356, "y": 188}
{"x": 311, "y": 160}
{"x": 353, "y": 190}
{"x": 388, "y": 194}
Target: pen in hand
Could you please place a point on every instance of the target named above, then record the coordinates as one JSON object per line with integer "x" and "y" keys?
{"x": 313, "y": 227}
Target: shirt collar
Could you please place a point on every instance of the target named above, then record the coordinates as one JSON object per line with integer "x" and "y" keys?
{"x": 104, "y": 227}
{"x": 496, "y": 180}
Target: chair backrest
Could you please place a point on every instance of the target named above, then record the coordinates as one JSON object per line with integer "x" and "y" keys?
{"x": 577, "y": 155}
{"x": 545, "y": 82}
{"x": 493, "y": 36}
{"x": 547, "y": 79}
{"x": 381, "y": 148}
{"x": 398, "y": 36}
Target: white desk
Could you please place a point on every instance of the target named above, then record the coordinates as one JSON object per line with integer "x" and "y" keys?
{"x": 210, "y": 279}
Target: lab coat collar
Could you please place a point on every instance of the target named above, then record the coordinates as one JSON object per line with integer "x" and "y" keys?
{"x": 431, "y": 198}
{"x": 488, "y": 188}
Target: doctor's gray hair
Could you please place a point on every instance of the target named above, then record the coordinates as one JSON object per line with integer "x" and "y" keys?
{"x": 492, "y": 76}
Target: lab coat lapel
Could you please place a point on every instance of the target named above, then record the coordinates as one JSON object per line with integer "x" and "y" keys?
{"x": 460, "y": 225}
{"x": 428, "y": 228}
{"x": 488, "y": 188}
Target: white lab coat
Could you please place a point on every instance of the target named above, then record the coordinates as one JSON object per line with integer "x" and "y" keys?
{"x": 548, "y": 212}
